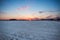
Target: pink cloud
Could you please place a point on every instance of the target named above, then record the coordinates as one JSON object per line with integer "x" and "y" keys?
{"x": 23, "y": 8}
{"x": 51, "y": 16}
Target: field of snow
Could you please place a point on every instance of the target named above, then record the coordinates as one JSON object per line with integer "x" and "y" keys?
{"x": 29, "y": 30}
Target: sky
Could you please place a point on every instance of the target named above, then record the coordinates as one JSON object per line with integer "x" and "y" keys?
{"x": 29, "y": 9}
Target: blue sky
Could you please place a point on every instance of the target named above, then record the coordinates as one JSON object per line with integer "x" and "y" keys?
{"x": 9, "y": 8}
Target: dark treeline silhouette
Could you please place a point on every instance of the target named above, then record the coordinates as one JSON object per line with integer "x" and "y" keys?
{"x": 34, "y": 19}
{"x": 12, "y": 19}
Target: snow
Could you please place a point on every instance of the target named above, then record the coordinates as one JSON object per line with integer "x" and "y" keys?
{"x": 29, "y": 30}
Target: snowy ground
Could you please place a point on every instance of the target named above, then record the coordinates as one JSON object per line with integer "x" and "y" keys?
{"x": 29, "y": 30}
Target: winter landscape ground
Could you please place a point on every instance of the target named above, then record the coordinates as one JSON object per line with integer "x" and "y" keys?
{"x": 29, "y": 30}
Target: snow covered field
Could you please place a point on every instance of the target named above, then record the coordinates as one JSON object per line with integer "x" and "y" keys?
{"x": 29, "y": 30}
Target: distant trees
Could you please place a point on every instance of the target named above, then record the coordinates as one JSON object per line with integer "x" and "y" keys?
{"x": 35, "y": 19}
{"x": 12, "y": 19}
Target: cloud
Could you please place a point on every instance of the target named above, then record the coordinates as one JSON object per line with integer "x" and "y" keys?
{"x": 23, "y": 8}
{"x": 51, "y": 16}
{"x": 41, "y": 12}
{"x": 1, "y": 12}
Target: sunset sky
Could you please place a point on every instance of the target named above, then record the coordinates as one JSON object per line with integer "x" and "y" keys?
{"x": 29, "y": 9}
